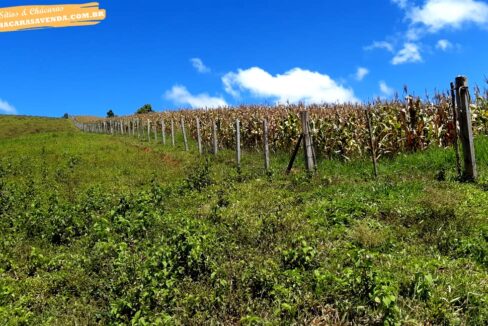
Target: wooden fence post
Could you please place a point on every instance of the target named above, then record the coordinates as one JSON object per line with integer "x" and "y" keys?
{"x": 307, "y": 141}
{"x": 199, "y": 136}
{"x": 294, "y": 155}
{"x": 371, "y": 143}
{"x": 163, "y": 131}
{"x": 183, "y": 131}
{"x": 238, "y": 144}
{"x": 311, "y": 142}
{"x": 148, "y": 130}
{"x": 455, "y": 122}
{"x": 172, "y": 132}
{"x": 214, "y": 138}
{"x": 466, "y": 130}
{"x": 265, "y": 144}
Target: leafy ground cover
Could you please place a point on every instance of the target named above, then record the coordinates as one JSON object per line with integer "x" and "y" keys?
{"x": 100, "y": 229}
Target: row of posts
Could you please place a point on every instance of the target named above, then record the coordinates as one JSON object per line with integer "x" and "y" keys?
{"x": 136, "y": 128}
{"x": 461, "y": 115}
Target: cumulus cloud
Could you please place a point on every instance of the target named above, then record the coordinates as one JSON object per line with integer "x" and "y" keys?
{"x": 180, "y": 95}
{"x": 199, "y": 65}
{"x": 409, "y": 53}
{"x": 385, "y": 89}
{"x": 6, "y": 108}
{"x": 432, "y": 16}
{"x": 296, "y": 85}
{"x": 439, "y": 14}
{"x": 380, "y": 45}
{"x": 444, "y": 45}
{"x": 361, "y": 73}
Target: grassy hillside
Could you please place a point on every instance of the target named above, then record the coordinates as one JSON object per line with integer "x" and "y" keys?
{"x": 100, "y": 229}
{"x": 17, "y": 126}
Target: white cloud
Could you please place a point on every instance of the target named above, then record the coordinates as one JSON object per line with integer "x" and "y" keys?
{"x": 380, "y": 45}
{"x": 230, "y": 80}
{"x": 180, "y": 95}
{"x": 6, "y": 108}
{"x": 199, "y": 65}
{"x": 409, "y": 53}
{"x": 444, "y": 45}
{"x": 361, "y": 73}
{"x": 296, "y": 85}
{"x": 430, "y": 17}
{"x": 440, "y": 14}
{"x": 385, "y": 89}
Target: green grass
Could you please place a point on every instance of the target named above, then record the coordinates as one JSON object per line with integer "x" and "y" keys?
{"x": 17, "y": 126}
{"x": 100, "y": 229}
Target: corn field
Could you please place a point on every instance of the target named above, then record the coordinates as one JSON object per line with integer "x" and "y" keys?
{"x": 338, "y": 131}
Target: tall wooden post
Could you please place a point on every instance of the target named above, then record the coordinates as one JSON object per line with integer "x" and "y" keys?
{"x": 372, "y": 143}
{"x": 455, "y": 123}
{"x": 199, "y": 137}
{"x": 163, "y": 131}
{"x": 172, "y": 132}
{"x": 214, "y": 138}
{"x": 148, "y": 130}
{"x": 238, "y": 144}
{"x": 308, "y": 151}
{"x": 156, "y": 132}
{"x": 466, "y": 130}
{"x": 311, "y": 142}
{"x": 183, "y": 131}
{"x": 265, "y": 144}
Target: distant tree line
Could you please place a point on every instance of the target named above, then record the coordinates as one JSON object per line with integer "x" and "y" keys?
{"x": 146, "y": 108}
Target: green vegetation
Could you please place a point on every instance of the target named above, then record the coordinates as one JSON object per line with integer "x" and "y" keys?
{"x": 110, "y": 114}
{"x": 146, "y": 108}
{"x": 339, "y": 131}
{"x": 18, "y": 126}
{"x": 100, "y": 229}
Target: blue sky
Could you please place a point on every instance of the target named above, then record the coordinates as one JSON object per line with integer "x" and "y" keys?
{"x": 175, "y": 54}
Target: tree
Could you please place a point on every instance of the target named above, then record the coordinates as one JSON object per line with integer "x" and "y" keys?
{"x": 147, "y": 108}
{"x": 65, "y": 116}
{"x": 110, "y": 114}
